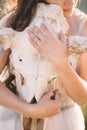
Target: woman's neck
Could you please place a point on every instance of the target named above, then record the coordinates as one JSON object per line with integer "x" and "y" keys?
{"x": 74, "y": 24}
{"x": 69, "y": 21}
{"x": 72, "y": 20}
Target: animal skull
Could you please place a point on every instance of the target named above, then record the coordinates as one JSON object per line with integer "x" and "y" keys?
{"x": 34, "y": 74}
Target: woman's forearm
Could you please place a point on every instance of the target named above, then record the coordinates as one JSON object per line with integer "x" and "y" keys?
{"x": 44, "y": 108}
{"x": 10, "y": 100}
{"x": 75, "y": 86}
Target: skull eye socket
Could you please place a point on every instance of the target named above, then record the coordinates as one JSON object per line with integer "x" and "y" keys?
{"x": 20, "y": 60}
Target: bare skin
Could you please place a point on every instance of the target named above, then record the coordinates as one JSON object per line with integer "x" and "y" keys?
{"x": 46, "y": 46}
{"x": 10, "y": 100}
{"x": 51, "y": 108}
{"x": 78, "y": 87}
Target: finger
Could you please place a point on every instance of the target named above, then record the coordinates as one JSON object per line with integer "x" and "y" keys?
{"x": 33, "y": 39}
{"x": 38, "y": 32}
{"x": 62, "y": 37}
{"x": 50, "y": 94}
{"x": 47, "y": 32}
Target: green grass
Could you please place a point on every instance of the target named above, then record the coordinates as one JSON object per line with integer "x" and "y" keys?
{"x": 83, "y": 5}
{"x": 84, "y": 109}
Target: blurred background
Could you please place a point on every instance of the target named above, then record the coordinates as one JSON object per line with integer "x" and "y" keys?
{"x": 82, "y": 4}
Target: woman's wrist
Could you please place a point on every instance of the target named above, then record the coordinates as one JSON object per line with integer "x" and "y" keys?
{"x": 28, "y": 110}
{"x": 64, "y": 64}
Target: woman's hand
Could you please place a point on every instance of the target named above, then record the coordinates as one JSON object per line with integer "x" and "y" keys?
{"x": 51, "y": 47}
{"x": 47, "y": 106}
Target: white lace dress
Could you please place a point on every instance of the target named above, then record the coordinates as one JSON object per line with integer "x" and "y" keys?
{"x": 35, "y": 75}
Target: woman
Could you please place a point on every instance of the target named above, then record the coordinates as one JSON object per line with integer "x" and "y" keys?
{"x": 78, "y": 22}
{"x": 34, "y": 111}
{"x": 9, "y": 100}
{"x": 74, "y": 84}
{"x": 19, "y": 21}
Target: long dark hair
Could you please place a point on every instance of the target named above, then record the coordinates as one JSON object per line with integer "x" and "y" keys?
{"x": 24, "y": 13}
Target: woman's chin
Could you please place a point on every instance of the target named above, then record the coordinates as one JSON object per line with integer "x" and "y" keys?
{"x": 68, "y": 13}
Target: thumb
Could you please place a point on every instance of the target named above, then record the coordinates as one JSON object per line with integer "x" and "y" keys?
{"x": 50, "y": 94}
{"x": 62, "y": 37}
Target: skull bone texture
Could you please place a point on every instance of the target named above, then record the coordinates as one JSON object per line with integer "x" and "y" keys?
{"x": 34, "y": 74}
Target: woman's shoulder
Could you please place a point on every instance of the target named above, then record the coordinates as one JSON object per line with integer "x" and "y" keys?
{"x": 80, "y": 15}
{"x": 4, "y": 20}
{"x": 81, "y": 20}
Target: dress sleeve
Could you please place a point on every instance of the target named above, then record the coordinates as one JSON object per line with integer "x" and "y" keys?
{"x": 77, "y": 44}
